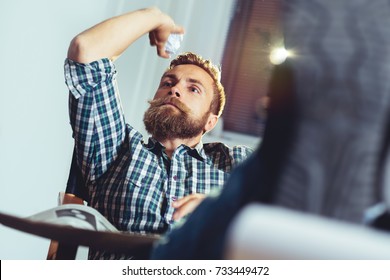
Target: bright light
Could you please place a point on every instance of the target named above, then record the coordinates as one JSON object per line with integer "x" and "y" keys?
{"x": 278, "y": 55}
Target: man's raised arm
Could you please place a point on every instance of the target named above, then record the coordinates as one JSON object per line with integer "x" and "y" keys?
{"x": 110, "y": 38}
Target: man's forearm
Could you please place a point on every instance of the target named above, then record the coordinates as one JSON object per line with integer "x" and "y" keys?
{"x": 111, "y": 37}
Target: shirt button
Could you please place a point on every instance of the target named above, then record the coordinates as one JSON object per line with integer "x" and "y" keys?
{"x": 175, "y": 178}
{"x": 174, "y": 198}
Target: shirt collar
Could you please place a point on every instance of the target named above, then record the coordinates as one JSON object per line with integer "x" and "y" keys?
{"x": 154, "y": 146}
{"x": 197, "y": 151}
{"x": 157, "y": 148}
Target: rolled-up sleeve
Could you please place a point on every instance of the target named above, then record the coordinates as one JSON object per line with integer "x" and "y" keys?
{"x": 96, "y": 114}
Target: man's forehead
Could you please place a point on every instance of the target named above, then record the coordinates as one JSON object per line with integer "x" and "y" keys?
{"x": 188, "y": 71}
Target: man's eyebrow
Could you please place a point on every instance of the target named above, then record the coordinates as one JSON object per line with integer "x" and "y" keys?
{"x": 171, "y": 76}
{"x": 195, "y": 81}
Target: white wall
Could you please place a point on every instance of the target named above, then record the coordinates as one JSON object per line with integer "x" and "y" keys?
{"x": 35, "y": 137}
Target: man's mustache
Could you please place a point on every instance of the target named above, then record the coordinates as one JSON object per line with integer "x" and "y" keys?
{"x": 169, "y": 100}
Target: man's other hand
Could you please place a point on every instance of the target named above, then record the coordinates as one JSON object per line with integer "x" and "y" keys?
{"x": 186, "y": 205}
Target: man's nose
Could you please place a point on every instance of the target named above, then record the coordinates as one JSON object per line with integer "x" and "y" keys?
{"x": 174, "y": 91}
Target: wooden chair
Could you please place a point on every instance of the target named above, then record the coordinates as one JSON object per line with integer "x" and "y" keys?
{"x": 75, "y": 193}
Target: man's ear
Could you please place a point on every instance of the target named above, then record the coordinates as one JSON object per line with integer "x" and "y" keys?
{"x": 211, "y": 122}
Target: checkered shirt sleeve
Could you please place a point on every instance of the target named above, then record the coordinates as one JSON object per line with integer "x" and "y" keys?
{"x": 96, "y": 114}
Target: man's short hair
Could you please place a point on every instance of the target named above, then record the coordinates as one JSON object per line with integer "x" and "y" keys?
{"x": 219, "y": 99}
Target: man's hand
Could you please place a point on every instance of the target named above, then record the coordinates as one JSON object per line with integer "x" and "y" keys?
{"x": 159, "y": 36}
{"x": 186, "y": 205}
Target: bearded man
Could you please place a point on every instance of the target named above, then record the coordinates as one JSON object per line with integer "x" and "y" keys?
{"x": 140, "y": 187}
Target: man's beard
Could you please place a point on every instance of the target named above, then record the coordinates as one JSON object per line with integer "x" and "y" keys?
{"x": 163, "y": 124}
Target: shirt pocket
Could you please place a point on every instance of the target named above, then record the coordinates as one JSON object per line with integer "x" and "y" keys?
{"x": 145, "y": 194}
{"x": 142, "y": 179}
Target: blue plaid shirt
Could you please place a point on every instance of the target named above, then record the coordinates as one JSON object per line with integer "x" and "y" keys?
{"x": 132, "y": 183}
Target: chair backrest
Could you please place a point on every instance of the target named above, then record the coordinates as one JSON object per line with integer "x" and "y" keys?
{"x": 75, "y": 192}
{"x": 75, "y": 184}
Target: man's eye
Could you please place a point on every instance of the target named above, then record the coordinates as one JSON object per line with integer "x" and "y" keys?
{"x": 195, "y": 90}
{"x": 167, "y": 84}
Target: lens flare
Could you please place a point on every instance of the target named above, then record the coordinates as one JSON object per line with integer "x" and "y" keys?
{"x": 279, "y": 55}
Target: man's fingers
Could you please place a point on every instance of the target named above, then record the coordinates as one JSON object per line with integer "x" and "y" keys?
{"x": 161, "y": 51}
{"x": 159, "y": 39}
{"x": 160, "y": 45}
{"x": 186, "y": 208}
{"x": 178, "y": 203}
{"x": 187, "y": 198}
{"x": 178, "y": 29}
{"x": 152, "y": 39}
{"x": 186, "y": 205}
